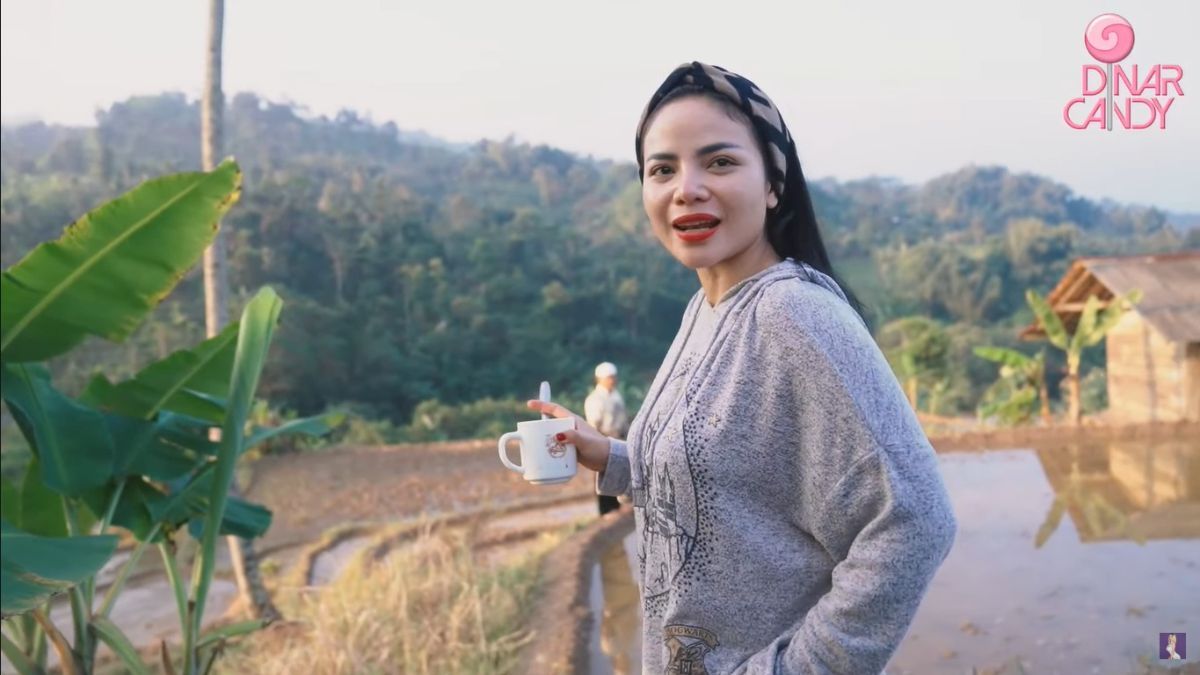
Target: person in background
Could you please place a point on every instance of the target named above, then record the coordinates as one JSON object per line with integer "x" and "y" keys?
{"x": 605, "y": 410}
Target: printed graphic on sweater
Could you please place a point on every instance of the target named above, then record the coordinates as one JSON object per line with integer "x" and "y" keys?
{"x": 669, "y": 536}
{"x": 671, "y": 516}
{"x": 687, "y": 646}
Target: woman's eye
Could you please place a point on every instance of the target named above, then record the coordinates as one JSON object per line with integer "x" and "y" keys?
{"x": 660, "y": 170}
{"x": 723, "y": 162}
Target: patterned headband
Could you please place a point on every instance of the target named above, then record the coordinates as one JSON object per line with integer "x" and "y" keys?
{"x": 782, "y": 160}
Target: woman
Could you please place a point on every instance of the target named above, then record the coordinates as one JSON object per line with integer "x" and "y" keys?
{"x": 1172, "y": 655}
{"x": 789, "y": 510}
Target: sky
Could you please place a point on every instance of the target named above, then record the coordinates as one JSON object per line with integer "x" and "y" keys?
{"x": 909, "y": 90}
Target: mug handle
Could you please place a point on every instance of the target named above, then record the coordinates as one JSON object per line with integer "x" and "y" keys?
{"x": 504, "y": 452}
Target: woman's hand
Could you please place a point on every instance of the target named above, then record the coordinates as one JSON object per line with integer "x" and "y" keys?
{"x": 591, "y": 446}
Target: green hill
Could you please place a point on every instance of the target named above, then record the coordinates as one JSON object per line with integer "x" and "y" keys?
{"x": 415, "y": 269}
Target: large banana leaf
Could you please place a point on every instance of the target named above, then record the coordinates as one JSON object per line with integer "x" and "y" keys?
{"x": 1048, "y": 319}
{"x": 187, "y": 433}
{"x": 113, "y": 265}
{"x": 71, "y": 440}
{"x": 190, "y": 498}
{"x": 33, "y": 568}
{"x": 1050, "y": 524}
{"x": 136, "y": 510}
{"x": 189, "y": 381}
{"x": 1004, "y": 356}
{"x": 168, "y": 448}
{"x": 1087, "y": 323}
{"x": 41, "y": 509}
{"x": 1013, "y": 406}
{"x": 317, "y": 425}
{"x": 10, "y": 501}
{"x": 189, "y": 503}
{"x": 241, "y": 519}
{"x": 254, "y": 339}
{"x": 31, "y": 506}
{"x": 143, "y": 505}
{"x": 1111, "y": 315}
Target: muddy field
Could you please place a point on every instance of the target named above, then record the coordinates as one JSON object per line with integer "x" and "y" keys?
{"x": 310, "y": 493}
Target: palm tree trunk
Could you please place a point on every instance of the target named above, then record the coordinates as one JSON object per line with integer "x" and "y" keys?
{"x": 216, "y": 310}
{"x": 1044, "y": 396}
{"x": 1043, "y": 390}
{"x": 1074, "y": 409}
{"x": 212, "y": 112}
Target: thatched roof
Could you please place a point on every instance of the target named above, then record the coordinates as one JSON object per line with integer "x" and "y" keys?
{"x": 1170, "y": 285}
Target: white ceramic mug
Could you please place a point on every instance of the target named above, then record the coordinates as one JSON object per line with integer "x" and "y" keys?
{"x": 544, "y": 460}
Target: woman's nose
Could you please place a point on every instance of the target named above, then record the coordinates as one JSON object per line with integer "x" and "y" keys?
{"x": 690, "y": 187}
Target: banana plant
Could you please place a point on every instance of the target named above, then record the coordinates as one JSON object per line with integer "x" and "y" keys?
{"x": 916, "y": 347}
{"x": 113, "y": 265}
{"x": 1100, "y": 517}
{"x": 1021, "y": 385}
{"x": 135, "y": 454}
{"x": 1094, "y": 323}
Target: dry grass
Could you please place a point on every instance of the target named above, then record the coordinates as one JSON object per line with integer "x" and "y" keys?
{"x": 426, "y": 608}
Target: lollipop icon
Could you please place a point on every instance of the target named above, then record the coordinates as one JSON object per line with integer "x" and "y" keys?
{"x": 1108, "y": 38}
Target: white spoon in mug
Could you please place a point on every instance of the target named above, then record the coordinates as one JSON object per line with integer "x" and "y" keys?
{"x": 544, "y": 397}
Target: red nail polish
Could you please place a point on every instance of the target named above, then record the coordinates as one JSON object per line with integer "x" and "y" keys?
{"x": 560, "y": 437}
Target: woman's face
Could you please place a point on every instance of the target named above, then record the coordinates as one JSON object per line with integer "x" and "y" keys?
{"x": 704, "y": 168}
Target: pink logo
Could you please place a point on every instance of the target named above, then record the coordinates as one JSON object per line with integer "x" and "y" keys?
{"x": 1109, "y": 39}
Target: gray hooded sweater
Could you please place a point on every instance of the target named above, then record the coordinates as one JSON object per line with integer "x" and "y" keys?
{"x": 789, "y": 510}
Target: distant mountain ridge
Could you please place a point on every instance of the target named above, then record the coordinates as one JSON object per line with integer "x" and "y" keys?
{"x": 148, "y": 133}
{"x": 1184, "y": 221}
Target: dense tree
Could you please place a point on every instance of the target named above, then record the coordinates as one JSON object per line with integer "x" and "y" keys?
{"x": 918, "y": 350}
{"x": 416, "y": 269}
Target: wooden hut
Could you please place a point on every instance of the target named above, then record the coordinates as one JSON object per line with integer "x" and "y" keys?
{"x": 1153, "y": 353}
{"x": 1130, "y": 489}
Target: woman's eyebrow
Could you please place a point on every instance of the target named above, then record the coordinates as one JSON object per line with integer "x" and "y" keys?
{"x": 708, "y": 149}
{"x": 715, "y": 147}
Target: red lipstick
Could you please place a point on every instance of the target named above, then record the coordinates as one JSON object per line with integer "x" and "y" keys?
{"x": 695, "y": 227}
{"x": 692, "y": 218}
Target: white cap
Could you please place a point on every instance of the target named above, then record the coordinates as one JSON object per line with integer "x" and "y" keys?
{"x": 606, "y": 369}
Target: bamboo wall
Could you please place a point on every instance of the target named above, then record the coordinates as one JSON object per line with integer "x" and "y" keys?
{"x": 1150, "y": 378}
{"x": 1191, "y": 378}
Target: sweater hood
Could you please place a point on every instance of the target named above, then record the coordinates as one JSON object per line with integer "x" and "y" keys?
{"x": 789, "y": 268}
{"x": 815, "y": 276}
